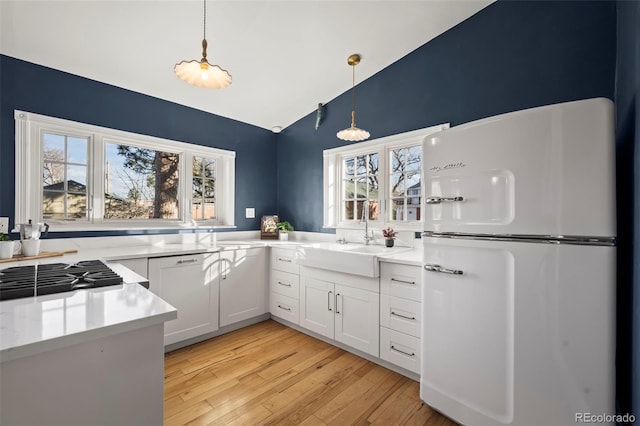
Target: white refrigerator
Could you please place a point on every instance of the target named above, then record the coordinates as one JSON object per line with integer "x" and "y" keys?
{"x": 518, "y": 296}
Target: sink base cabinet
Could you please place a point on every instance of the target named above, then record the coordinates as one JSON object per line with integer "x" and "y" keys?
{"x": 346, "y": 314}
{"x": 190, "y": 284}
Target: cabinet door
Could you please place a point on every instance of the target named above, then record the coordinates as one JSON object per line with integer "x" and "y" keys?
{"x": 243, "y": 284}
{"x": 186, "y": 283}
{"x": 317, "y": 302}
{"x": 357, "y": 318}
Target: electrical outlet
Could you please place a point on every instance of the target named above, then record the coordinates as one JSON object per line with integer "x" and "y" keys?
{"x": 4, "y": 225}
{"x": 250, "y": 212}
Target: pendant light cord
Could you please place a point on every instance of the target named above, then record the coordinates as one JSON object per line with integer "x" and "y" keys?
{"x": 204, "y": 20}
{"x": 353, "y": 97}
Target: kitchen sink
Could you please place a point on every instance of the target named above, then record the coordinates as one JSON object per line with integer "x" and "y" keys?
{"x": 357, "y": 259}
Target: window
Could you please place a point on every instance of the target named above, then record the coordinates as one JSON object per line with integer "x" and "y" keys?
{"x": 204, "y": 188}
{"x": 64, "y": 176}
{"x": 385, "y": 172}
{"x": 78, "y": 176}
{"x": 140, "y": 183}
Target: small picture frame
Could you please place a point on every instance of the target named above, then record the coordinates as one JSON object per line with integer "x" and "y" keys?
{"x": 269, "y": 228}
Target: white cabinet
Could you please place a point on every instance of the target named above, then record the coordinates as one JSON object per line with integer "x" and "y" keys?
{"x": 345, "y": 309}
{"x": 400, "y": 315}
{"x": 190, "y": 284}
{"x": 243, "y": 284}
{"x": 284, "y": 285}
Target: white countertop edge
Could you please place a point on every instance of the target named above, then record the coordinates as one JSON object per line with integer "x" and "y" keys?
{"x": 59, "y": 342}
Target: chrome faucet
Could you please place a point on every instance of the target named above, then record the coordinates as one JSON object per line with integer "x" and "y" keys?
{"x": 365, "y": 219}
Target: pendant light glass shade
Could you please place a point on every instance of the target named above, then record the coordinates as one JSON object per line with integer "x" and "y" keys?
{"x": 353, "y": 134}
{"x": 201, "y": 73}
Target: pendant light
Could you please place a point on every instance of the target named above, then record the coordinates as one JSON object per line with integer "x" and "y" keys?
{"x": 353, "y": 134}
{"x": 201, "y": 73}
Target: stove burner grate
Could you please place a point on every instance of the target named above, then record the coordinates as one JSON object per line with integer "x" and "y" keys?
{"x": 26, "y": 281}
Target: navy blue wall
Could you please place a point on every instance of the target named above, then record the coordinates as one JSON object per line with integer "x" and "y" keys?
{"x": 42, "y": 90}
{"x": 628, "y": 147}
{"x": 509, "y": 56}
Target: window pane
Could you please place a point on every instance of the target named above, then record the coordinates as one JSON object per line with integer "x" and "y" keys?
{"x": 373, "y": 164}
{"x": 349, "y": 168}
{"x": 405, "y": 183}
{"x": 373, "y": 187}
{"x": 77, "y": 150}
{"x": 361, "y": 165}
{"x": 209, "y": 188}
{"x": 361, "y": 187}
{"x": 197, "y": 188}
{"x": 348, "y": 210}
{"x": 397, "y": 209}
{"x": 52, "y": 173}
{"x": 76, "y": 206}
{"x": 374, "y": 209}
{"x": 414, "y": 159}
{"x": 77, "y": 178}
{"x": 142, "y": 183}
{"x": 209, "y": 167}
{"x": 397, "y": 184}
{"x": 397, "y": 160}
{"x": 53, "y": 205}
{"x": 203, "y": 209}
{"x": 53, "y": 146}
{"x": 204, "y": 188}
{"x": 348, "y": 188}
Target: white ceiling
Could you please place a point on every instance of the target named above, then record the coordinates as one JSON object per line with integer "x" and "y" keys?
{"x": 285, "y": 56}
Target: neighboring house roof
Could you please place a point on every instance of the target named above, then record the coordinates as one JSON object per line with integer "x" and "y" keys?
{"x": 74, "y": 186}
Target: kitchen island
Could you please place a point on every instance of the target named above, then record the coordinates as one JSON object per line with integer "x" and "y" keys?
{"x": 86, "y": 357}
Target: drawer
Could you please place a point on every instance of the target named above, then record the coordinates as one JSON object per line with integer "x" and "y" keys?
{"x": 400, "y": 349}
{"x": 285, "y": 283}
{"x": 400, "y": 314}
{"x": 284, "y": 260}
{"x": 401, "y": 280}
{"x": 284, "y": 307}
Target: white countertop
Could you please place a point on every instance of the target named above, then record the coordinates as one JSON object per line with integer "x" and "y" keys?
{"x": 36, "y": 324}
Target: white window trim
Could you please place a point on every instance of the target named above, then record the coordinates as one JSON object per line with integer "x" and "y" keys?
{"x": 29, "y": 163}
{"x": 332, "y": 177}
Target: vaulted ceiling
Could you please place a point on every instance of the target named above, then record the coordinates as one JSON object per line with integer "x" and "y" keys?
{"x": 285, "y": 56}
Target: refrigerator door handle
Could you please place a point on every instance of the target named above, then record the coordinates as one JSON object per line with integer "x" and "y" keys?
{"x": 438, "y": 200}
{"x": 438, "y": 268}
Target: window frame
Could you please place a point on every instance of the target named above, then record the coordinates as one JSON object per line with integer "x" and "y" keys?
{"x": 333, "y": 173}
{"x": 29, "y": 128}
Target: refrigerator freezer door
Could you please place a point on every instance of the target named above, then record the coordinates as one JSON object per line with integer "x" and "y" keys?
{"x": 541, "y": 171}
{"x": 524, "y": 336}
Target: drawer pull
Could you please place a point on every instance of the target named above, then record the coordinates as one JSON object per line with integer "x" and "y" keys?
{"x": 284, "y": 284}
{"x": 329, "y": 301}
{"x": 403, "y": 352}
{"x": 284, "y": 307}
{"x": 280, "y": 259}
{"x": 403, "y": 281}
{"x": 403, "y": 316}
{"x": 180, "y": 262}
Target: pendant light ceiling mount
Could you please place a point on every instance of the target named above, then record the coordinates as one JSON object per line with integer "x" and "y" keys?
{"x": 353, "y": 134}
{"x": 201, "y": 73}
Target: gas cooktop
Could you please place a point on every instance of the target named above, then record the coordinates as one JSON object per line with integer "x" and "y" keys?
{"x": 38, "y": 280}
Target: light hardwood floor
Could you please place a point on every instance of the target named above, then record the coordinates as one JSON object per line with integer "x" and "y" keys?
{"x": 271, "y": 374}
